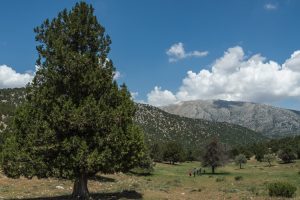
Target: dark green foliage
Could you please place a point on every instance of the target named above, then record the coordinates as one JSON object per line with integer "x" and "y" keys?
{"x": 214, "y": 155}
{"x": 240, "y": 150}
{"x": 233, "y": 152}
{"x": 145, "y": 166}
{"x": 157, "y": 151}
{"x": 193, "y": 154}
{"x": 287, "y": 154}
{"x": 76, "y": 121}
{"x": 240, "y": 159}
{"x": 274, "y": 146}
{"x": 259, "y": 150}
{"x": 173, "y": 152}
{"x": 146, "y": 163}
{"x": 281, "y": 189}
{"x": 297, "y": 150}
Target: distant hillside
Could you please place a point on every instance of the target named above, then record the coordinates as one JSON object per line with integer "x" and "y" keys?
{"x": 269, "y": 120}
{"x": 162, "y": 126}
{"x": 9, "y": 99}
{"x": 157, "y": 124}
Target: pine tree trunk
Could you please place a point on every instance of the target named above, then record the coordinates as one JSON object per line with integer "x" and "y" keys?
{"x": 240, "y": 165}
{"x": 80, "y": 189}
{"x": 213, "y": 169}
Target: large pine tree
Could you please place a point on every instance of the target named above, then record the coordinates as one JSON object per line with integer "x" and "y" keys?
{"x": 76, "y": 121}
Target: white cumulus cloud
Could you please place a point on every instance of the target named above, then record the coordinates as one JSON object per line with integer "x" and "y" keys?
{"x": 134, "y": 95}
{"x": 9, "y": 78}
{"x": 160, "y": 97}
{"x": 176, "y": 52}
{"x": 237, "y": 77}
{"x": 117, "y": 75}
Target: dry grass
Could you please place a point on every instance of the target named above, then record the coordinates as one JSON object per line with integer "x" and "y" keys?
{"x": 167, "y": 182}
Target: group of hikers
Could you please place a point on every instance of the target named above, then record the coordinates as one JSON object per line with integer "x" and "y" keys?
{"x": 196, "y": 171}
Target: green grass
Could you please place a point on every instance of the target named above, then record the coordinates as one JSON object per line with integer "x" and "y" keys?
{"x": 167, "y": 182}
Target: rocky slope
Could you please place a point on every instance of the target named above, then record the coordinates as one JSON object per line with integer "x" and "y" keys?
{"x": 162, "y": 126}
{"x": 9, "y": 100}
{"x": 269, "y": 120}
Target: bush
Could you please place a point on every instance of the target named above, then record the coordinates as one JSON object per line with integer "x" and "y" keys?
{"x": 287, "y": 155}
{"x": 281, "y": 189}
{"x": 238, "y": 178}
{"x": 220, "y": 179}
{"x": 254, "y": 190}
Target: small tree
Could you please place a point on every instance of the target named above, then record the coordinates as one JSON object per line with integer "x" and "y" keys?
{"x": 240, "y": 159}
{"x": 269, "y": 158}
{"x": 190, "y": 155}
{"x": 173, "y": 152}
{"x": 287, "y": 155}
{"x": 76, "y": 120}
{"x": 259, "y": 151}
{"x": 214, "y": 155}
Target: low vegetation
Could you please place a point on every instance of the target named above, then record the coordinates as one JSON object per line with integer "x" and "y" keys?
{"x": 281, "y": 189}
{"x": 166, "y": 182}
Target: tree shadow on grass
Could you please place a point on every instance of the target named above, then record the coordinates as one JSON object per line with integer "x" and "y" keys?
{"x": 140, "y": 173}
{"x": 215, "y": 174}
{"x": 126, "y": 194}
{"x": 102, "y": 179}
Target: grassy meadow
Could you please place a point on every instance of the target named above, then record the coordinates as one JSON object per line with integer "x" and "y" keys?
{"x": 166, "y": 182}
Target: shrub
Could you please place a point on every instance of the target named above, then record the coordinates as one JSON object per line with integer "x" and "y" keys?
{"x": 281, "y": 189}
{"x": 287, "y": 155}
{"x": 238, "y": 178}
{"x": 220, "y": 179}
{"x": 254, "y": 190}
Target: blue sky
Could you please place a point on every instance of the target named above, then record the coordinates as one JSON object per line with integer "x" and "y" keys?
{"x": 206, "y": 36}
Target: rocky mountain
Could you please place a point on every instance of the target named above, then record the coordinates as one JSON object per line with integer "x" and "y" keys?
{"x": 270, "y": 121}
{"x": 159, "y": 125}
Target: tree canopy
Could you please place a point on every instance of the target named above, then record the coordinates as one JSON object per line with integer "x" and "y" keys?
{"x": 214, "y": 155}
{"x": 173, "y": 152}
{"x": 76, "y": 120}
{"x": 240, "y": 159}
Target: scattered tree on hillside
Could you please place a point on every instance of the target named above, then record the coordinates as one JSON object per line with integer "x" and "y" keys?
{"x": 214, "y": 155}
{"x": 298, "y": 150}
{"x": 269, "y": 158}
{"x": 193, "y": 154}
{"x": 240, "y": 159}
{"x": 76, "y": 121}
{"x": 157, "y": 151}
{"x": 287, "y": 154}
{"x": 233, "y": 152}
{"x": 259, "y": 151}
{"x": 173, "y": 152}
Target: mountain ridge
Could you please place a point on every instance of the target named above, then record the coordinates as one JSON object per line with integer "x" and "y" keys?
{"x": 269, "y": 120}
